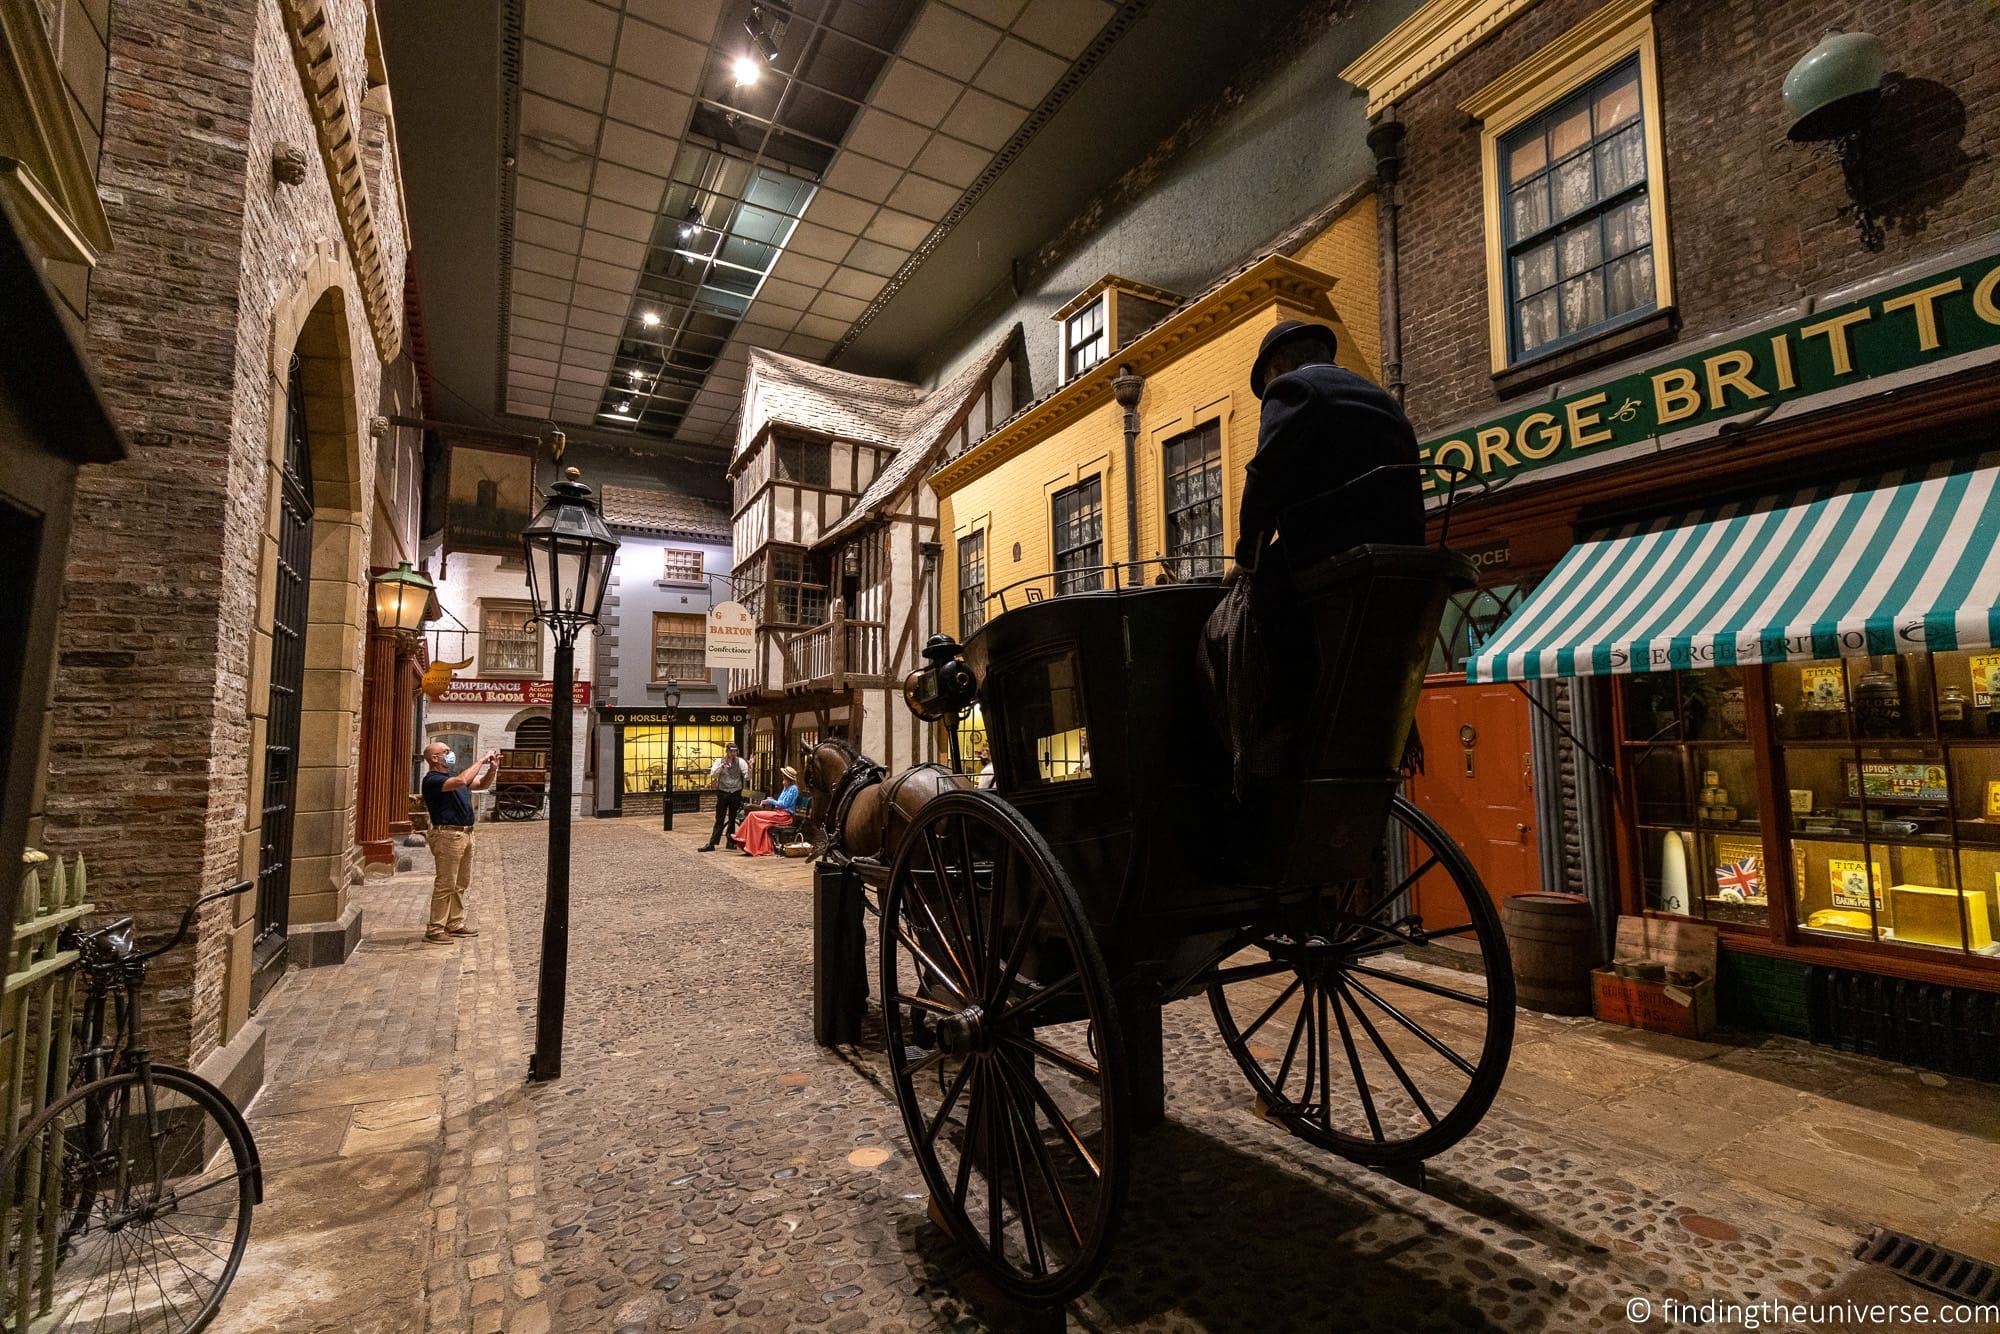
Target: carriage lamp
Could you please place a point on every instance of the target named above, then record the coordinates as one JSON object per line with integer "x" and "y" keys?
{"x": 569, "y": 553}
{"x": 402, "y": 596}
{"x": 943, "y": 689}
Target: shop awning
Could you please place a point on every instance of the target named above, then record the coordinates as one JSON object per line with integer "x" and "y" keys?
{"x": 1903, "y": 564}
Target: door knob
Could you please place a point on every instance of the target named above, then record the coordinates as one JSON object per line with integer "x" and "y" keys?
{"x": 1520, "y": 828}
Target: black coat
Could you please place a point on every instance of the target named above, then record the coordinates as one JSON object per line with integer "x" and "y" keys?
{"x": 1323, "y": 426}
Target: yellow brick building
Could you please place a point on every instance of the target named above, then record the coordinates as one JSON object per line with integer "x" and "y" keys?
{"x": 1003, "y": 502}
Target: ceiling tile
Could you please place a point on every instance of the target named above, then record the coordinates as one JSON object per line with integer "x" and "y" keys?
{"x": 661, "y": 56}
{"x": 579, "y": 26}
{"x": 535, "y": 308}
{"x": 578, "y": 407}
{"x": 546, "y": 331}
{"x": 538, "y": 230}
{"x": 924, "y": 196}
{"x": 892, "y": 228}
{"x": 519, "y": 364}
{"x": 835, "y": 306}
{"x": 891, "y": 138}
{"x": 608, "y": 276}
{"x": 800, "y": 345}
{"x": 551, "y": 201}
{"x": 648, "y": 105}
{"x": 560, "y": 75}
{"x": 549, "y": 288}
{"x": 764, "y": 316}
{"x": 634, "y": 147}
{"x": 819, "y": 326}
{"x": 796, "y": 268}
{"x": 691, "y": 18}
{"x": 797, "y": 296}
{"x": 634, "y": 224}
{"x": 1020, "y": 73}
{"x": 613, "y": 249}
{"x": 541, "y": 259}
{"x": 844, "y": 213}
{"x": 999, "y": 13}
{"x": 585, "y": 369}
{"x": 1063, "y": 26}
{"x": 593, "y": 340}
{"x": 525, "y": 407}
{"x": 526, "y": 383}
{"x": 604, "y": 300}
{"x": 984, "y": 120}
{"x": 628, "y": 186}
{"x": 819, "y": 242}
{"x": 915, "y": 93}
{"x": 855, "y": 283}
{"x": 559, "y": 123}
{"x": 558, "y": 164}
{"x": 861, "y": 176}
{"x": 952, "y": 161}
{"x": 876, "y": 257}
{"x": 535, "y": 347}
{"x": 948, "y": 41}
{"x": 596, "y": 324}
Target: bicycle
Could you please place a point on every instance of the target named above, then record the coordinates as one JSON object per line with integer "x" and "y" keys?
{"x": 129, "y": 1197}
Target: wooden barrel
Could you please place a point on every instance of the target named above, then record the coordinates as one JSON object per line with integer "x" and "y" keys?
{"x": 1554, "y": 943}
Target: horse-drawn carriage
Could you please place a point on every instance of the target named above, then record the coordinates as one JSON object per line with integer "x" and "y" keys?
{"x": 1030, "y": 935}
{"x": 521, "y": 785}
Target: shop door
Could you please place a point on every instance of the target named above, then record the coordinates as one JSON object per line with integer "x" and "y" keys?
{"x": 1478, "y": 780}
{"x": 288, "y": 662}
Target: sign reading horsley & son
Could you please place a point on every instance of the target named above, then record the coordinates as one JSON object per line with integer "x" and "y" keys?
{"x": 1943, "y": 315}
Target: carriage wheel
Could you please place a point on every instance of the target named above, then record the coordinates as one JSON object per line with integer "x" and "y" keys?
{"x": 1003, "y": 1046}
{"x": 517, "y": 802}
{"x": 1351, "y": 1046}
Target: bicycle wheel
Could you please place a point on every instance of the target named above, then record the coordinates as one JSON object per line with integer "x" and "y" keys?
{"x": 121, "y": 1219}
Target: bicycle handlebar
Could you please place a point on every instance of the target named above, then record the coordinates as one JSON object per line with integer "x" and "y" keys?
{"x": 187, "y": 919}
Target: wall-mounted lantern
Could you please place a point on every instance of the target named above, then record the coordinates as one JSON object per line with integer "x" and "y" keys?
{"x": 1833, "y": 94}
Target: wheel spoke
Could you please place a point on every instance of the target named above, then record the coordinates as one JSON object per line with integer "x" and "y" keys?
{"x": 955, "y": 954}
{"x": 1390, "y": 896}
{"x": 950, "y": 1098}
{"x": 1019, "y": 952}
{"x": 1271, "y": 1009}
{"x": 1398, "y": 941}
{"x": 910, "y": 943}
{"x": 1325, "y": 1061}
{"x": 971, "y": 888}
{"x": 1423, "y": 1034}
{"x": 1223, "y": 977}
{"x": 1043, "y": 1163}
{"x": 1418, "y": 984}
{"x": 1292, "y": 1048}
{"x": 924, "y": 1003}
{"x": 1002, "y": 874}
{"x": 1354, "y": 1063}
{"x": 944, "y": 884}
{"x": 1395, "y": 1066}
{"x": 1059, "y": 1121}
{"x": 1076, "y": 1065}
{"x": 996, "y": 1179}
{"x": 1031, "y": 1232}
{"x": 925, "y": 1063}
{"x": 972, "y": 1129}
{"x": 1022, "y": 1008}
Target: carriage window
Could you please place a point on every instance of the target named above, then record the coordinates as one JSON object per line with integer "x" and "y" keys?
{"x": 1194, "y": 501}
{"x": 971, "y": 582}
{"x": 1078, "y": 523}
{"x": 1050, "y": 722}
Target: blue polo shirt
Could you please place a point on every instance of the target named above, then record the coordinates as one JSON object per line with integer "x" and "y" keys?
{"x": 448, "y": 808}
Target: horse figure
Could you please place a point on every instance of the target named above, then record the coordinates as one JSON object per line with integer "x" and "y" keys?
{"x": 863, "y": 812}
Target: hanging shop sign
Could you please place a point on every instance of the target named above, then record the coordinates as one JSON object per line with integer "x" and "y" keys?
{"x": 474, "y": 690}
{"x": 438, "y": 676}
{"x": 644, "y": 716}
{"x": 489, "y": 498}
{"x": 1942, "y": 315}
{"x": 732, "y": 636}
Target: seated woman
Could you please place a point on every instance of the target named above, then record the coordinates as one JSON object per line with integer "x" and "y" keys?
{"x": 772, "y": 813}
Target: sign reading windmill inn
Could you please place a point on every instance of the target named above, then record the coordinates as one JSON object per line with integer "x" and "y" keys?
{"x": 1929, "y": 319}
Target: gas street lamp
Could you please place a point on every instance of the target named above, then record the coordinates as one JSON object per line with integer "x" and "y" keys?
{"x": 673, "y": 716}
{"x": 569, "y": 553}
{"x": 402, "y": 596}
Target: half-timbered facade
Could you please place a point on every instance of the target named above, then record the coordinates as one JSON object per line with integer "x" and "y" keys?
{"x": 837, "y": 547}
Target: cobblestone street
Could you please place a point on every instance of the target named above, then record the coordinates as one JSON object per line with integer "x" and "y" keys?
{"x": 702, "y": 1164}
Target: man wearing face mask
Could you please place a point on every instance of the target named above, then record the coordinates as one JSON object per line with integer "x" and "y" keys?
{"x": 448, "y": 798}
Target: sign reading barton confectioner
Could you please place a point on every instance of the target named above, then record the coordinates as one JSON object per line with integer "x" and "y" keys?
{"x": 1942, "y": 315}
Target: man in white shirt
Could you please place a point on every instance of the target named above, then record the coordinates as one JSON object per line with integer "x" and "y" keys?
{"x": 728, "y": 776}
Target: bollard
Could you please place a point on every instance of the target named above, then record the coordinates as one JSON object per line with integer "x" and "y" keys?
{"x": 840, "y": 967}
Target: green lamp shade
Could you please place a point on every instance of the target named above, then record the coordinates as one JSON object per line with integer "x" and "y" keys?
{"x": 402, "y": 596}
{"x": 1833, "y": 88}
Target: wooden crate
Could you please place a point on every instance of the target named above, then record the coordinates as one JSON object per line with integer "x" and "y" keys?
{"x": 1686, "y": 1009}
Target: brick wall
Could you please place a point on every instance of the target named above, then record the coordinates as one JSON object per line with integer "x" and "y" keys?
{"x": 1755, "y": 221}
{"x": 153, "y": 748}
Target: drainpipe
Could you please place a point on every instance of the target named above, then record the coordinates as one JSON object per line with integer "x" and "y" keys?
{"x": 1126, "y": 388}
{"x": 1385, "y": 141}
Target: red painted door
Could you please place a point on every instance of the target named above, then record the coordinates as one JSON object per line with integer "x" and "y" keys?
{"x": 1478, "y": 782}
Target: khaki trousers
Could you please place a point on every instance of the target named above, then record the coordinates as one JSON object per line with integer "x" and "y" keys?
{"x": 451, "y": 848}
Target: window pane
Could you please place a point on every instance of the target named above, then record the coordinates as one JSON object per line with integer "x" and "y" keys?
{"x": 1527, "y": 155}
{"x": 1535, "y": 270}
{"x": 1528, "y": 208}
{"x": 1538, "y": 321}
{"x": 1630, "y": 284}
{"x": 1571, "y": 130}
{"x": 1621, "y": 161}
{"x": 1618, "y": 100}
{"x": 1582, "y": 301}
{"x": 1574, "y": 187}
{"x": 1579, "y": 249}
{"x": 1628, "y": 227}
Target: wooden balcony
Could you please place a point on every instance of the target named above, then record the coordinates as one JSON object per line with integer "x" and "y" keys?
{"x": 839, "y": 654}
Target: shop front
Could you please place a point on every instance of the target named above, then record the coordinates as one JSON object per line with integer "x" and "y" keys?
{"x": 652, "y": 755}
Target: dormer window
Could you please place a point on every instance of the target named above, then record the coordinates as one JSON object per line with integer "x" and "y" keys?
{"x": 1084, "y": 339}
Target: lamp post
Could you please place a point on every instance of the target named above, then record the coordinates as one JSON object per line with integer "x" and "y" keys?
{"x": 569, "y": 553}
{"x": 673, "y": 716}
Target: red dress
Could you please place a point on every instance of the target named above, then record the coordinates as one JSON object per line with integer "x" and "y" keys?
{"x": 754, "y": 834}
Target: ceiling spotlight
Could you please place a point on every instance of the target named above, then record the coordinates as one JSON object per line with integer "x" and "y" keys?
{"x": 760, "y": 36}
{"x": 624, "y": 405}
{"x": 635, "y": 377}
{"x": 692, "y": 223}
{"x": 650, "y": 319}
{"x": 747, "y": 71}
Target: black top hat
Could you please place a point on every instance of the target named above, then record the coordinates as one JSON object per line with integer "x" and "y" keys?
{"x": 1285, "y": 332}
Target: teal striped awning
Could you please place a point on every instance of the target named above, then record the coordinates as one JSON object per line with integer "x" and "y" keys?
{"x": 1903, "y": 564}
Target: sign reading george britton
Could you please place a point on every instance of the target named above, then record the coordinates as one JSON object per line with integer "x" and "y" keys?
{"x": 1942, "y": 315}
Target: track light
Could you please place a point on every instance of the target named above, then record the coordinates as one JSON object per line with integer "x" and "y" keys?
{"x": 691, "y": 224}
{"x": 760, "y": 36}
{"x": 747, "y": 71}
{"x": 650, "y": 319}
